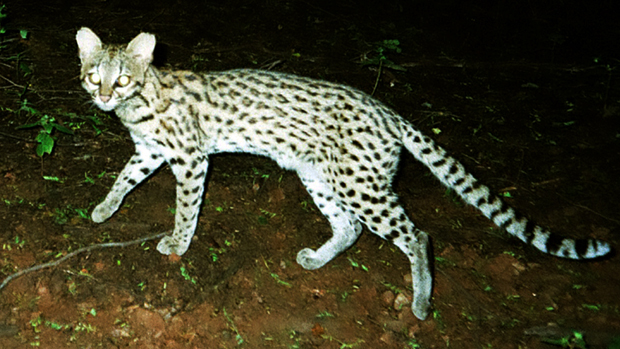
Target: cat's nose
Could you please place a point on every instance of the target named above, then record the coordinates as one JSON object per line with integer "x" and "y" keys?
{"x": 104, "y": 98}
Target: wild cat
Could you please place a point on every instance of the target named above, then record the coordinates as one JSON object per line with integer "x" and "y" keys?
{"x": 343, "y": 144}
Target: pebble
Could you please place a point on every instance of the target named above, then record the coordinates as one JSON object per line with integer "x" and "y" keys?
{"x": 401, "y": 301}
{"x": 387, "y": 298}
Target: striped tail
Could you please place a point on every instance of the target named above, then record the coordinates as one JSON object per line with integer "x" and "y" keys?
{"x": 452, "y": 174}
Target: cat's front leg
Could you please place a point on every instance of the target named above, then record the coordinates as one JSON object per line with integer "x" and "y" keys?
{"x": 140, "y": 166}
{"x": 190, "y": 175}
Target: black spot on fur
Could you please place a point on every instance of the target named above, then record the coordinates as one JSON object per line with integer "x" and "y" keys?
{"x": 393, "y": 235}
{"x": 553, "y": 244}
{"x": 439, "y": 163}
{"x": 581, "y": 247}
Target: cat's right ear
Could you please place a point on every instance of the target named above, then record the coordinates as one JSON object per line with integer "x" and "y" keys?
{"x": 88, "y": 43}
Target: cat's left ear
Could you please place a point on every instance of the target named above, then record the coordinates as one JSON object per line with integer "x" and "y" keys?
{"x": 142, "y": 47}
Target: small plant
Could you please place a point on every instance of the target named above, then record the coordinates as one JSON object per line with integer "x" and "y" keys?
{"x": 381, "y": 60}
{"x": 355, "y": 264}
{"x": 186, "y": 275}
{"x": 17, "y": 243}
{"x": 263, "y": 219}
{"x": 280, "y": 281}
{"x": 233, "y": 327}
{"x": 213, "y": 254}
{"x": 90, "y": 180}
{"x": 324, "y": 314}
{"x": 63, "y": 215}
{"x": 259, "y": 174}
{"x": 23, "y": 34}
{"x": 44, "y": 138}
{"x": 437, "y": 317}
{"x": 573, "y": 341}
{"x": 394, "y": 289}
{"x": 343, "y": 345}
{"x": 306, "y": 206}
{"x": 413, "y": 344}
{"x": 35, "y": 323}
{"x": 592, "y": 307}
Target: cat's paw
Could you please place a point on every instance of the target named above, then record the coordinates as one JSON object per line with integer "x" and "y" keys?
{"x": 421, "y": 308}
{"x": 102, "y": 212}
{"x": 309, "y": 259}
{"x": 168, "y": 245}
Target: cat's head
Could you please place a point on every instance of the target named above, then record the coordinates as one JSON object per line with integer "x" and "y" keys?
{"x": 112, "y": 74}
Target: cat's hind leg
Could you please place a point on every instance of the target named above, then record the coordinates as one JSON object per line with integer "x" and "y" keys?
{"x": 384, "y": 216}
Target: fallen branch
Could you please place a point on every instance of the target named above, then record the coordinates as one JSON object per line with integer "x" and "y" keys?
{"x": 83, "y": 249}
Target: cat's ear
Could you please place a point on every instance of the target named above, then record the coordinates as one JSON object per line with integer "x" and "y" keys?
{"x": 142, "y": 47}
{"x": 88, "y": 43}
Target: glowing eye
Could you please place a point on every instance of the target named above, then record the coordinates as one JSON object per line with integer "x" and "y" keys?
{"x": 123, "y": 80}
{"x": 94, "y": 78}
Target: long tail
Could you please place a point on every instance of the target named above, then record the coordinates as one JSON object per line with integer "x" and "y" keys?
{"x": 452, "y": 174}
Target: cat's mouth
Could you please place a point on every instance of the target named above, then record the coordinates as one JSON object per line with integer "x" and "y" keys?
{"x": 108, "y": 105}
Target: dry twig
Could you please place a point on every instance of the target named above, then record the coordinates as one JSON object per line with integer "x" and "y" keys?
{"x": 83, "y": 249}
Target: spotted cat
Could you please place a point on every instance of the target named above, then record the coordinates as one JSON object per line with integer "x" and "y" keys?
{"x": 343, "y": 144}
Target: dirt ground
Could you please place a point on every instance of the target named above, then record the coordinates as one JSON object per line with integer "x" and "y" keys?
{"x": 526, "y": 95}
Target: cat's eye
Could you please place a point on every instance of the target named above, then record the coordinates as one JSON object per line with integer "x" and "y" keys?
{"x": 94, "y": 78}
{"x": 123, "y": 80}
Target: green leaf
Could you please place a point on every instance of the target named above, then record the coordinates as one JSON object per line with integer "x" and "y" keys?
{"x": 46, "y": 143}
{"x": 47, "y": 127}
{"x": 34, "y": 124}
{"x": 62, "y": 128}
{"x": 262, "y": 220}
{"x": 52, "y": 178}
{"x": 25, "y": 68}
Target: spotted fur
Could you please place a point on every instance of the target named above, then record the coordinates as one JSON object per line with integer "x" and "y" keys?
{"x": 343, "y": 144}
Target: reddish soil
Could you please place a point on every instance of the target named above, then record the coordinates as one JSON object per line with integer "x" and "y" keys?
{"x": 512, "y": 92}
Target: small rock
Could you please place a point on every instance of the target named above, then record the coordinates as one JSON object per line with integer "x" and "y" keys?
{"x": 387, "y": 338}
{"x": 519, "y": 267}
{"x": 43, "y": 291}
{"x": 150, "y": 322}
{"x": 413, "y": 330}
{"x": 317, "y": 330}
{"x": 400, "y": 301}
{"x": 387, "y": 298}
